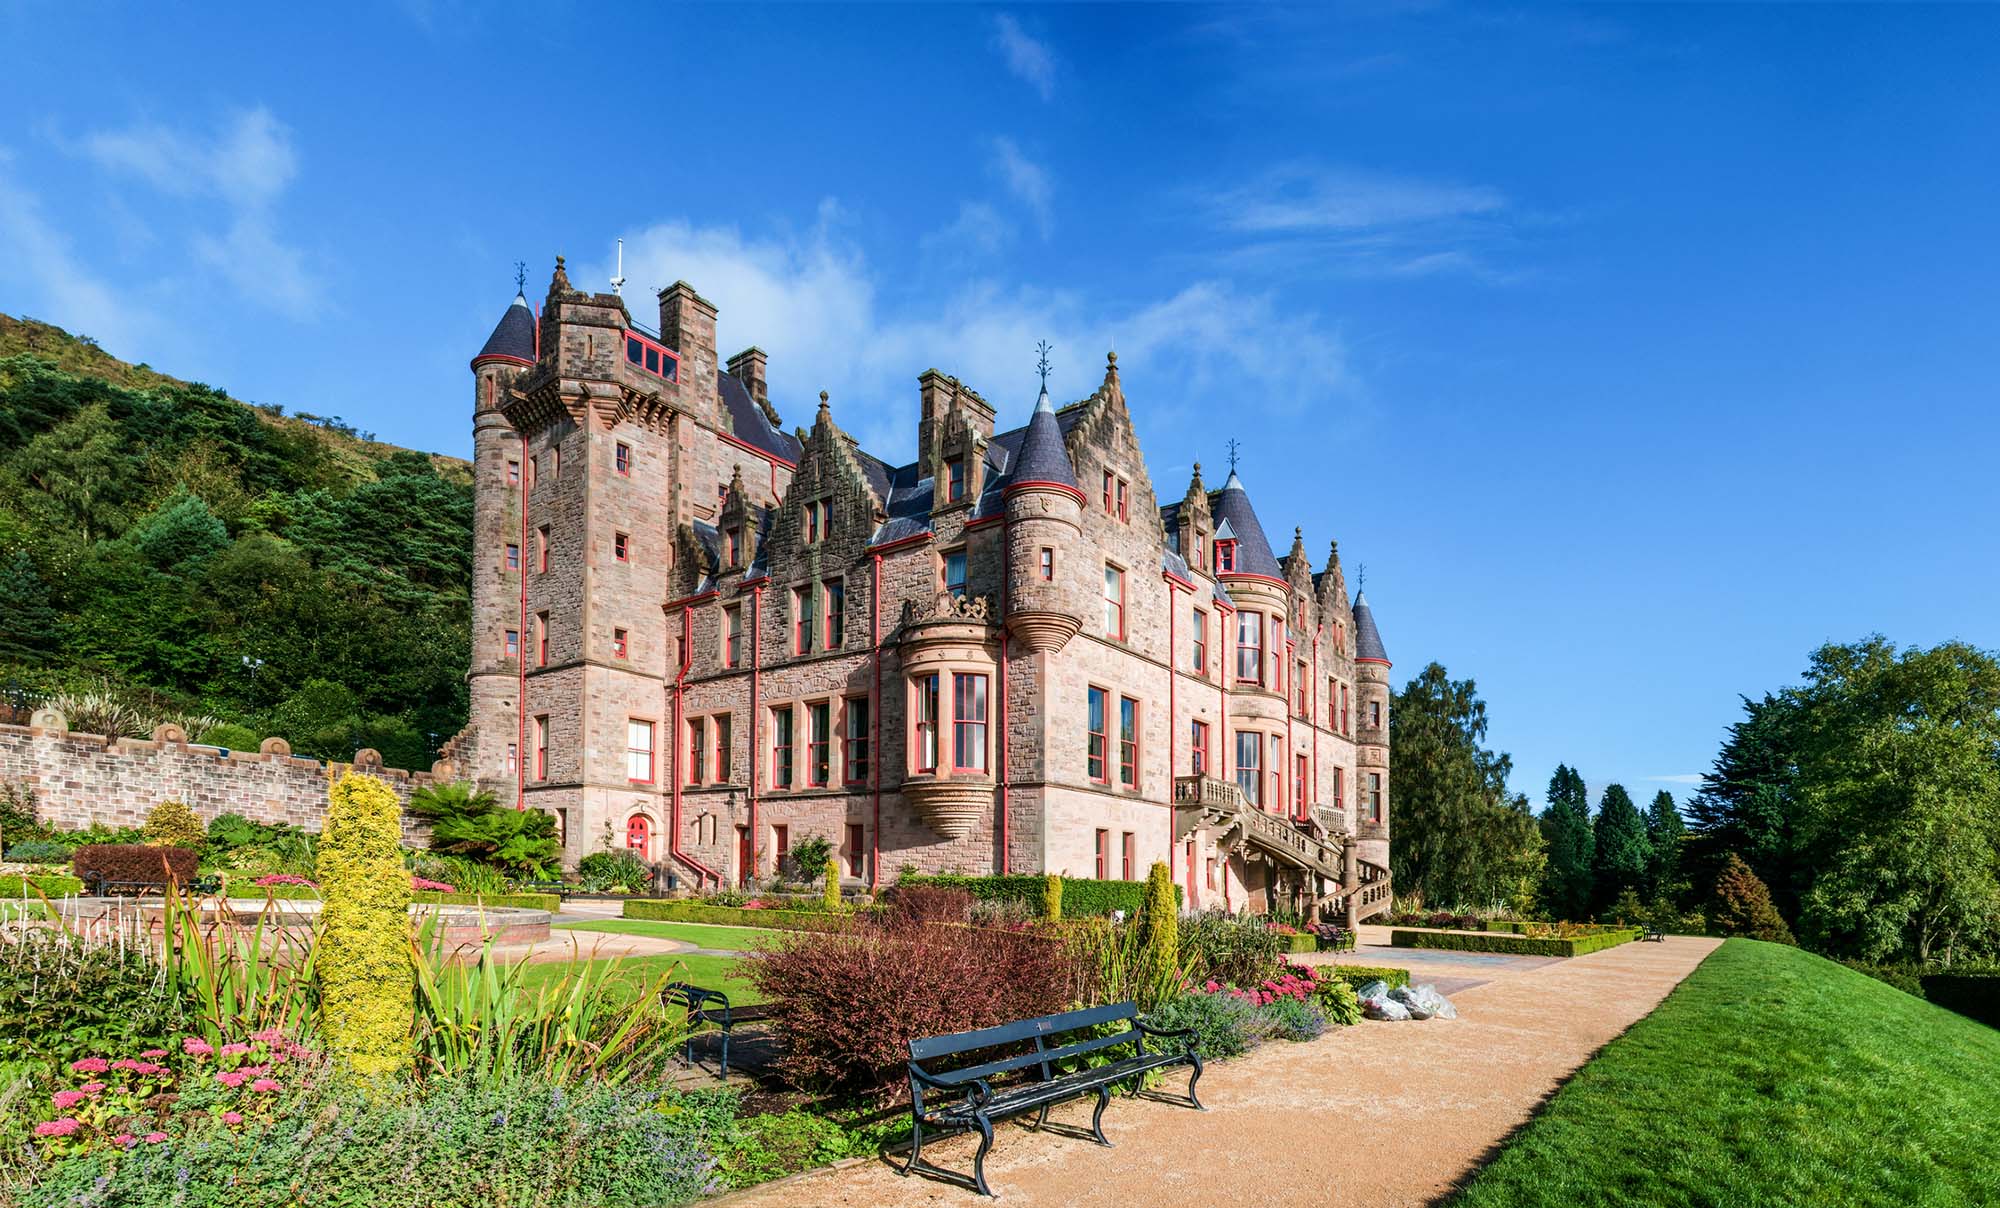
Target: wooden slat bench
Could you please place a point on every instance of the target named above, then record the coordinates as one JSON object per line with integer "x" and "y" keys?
{"x": 965, "y": 1099}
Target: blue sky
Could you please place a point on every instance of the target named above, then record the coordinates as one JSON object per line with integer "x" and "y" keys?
{"x": 1635, "y": 351}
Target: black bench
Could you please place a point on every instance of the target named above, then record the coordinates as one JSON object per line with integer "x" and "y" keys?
{"x": 703, "y": 1006}
{"x": 104, "y": 887}
{"x": 561, "y": 889}
{"x": 965, "y": 1099}
{"x": 1654, "y": 935}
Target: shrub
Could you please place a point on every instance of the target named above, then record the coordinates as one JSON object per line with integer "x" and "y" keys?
{"x": 1356, "y": 976}
{"x": 930, "y": 903}
{"x": 1294, "y": 1019}
{"x": 1052, "y": 898}
{"x": 1079, "y": 898}
{"x": 1335, "y": 997}
{"x": 807, "y": 856}
{"x": 39, "y": 851}
{"x": 1223, "y": 1025}
{"x": 1742, "y": 905}
{"x": 62, "y": 999}
{"x": 48, "y": 884}
{"x": 470, "y": 875}
{"x": 133, "y": 862}
{"x": 1517, "y": 945}
{"x": 773, "y": 1145}
{"x": 1228, "y": 949}
{"x": 1627, "y": 910}
{"x": 850, "y": 1002}
{"x": 832, "y": 887}
{"x": 230, "y": 737}
{"x": 1159, "y": 927}
{"x": 681, "y": 911}
{"x": 173, "y": 824}
{"x": 620, "y": 871}
{"x": 468, "y": 821}
{"x": 363, "y": 956}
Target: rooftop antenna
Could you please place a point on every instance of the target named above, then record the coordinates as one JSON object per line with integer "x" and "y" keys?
{"x": 618, "y": 282}
{"x": 1042, "y": 363}
{"x": 1234, "y": 445}
{"x": 521, "y": 277}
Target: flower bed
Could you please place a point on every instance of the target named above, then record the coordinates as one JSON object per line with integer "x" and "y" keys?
{"x": 1512, "y": 945}
{"x": 672, "y": 910}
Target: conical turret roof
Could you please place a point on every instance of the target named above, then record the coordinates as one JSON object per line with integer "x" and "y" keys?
{"x": 514, "y": 336}
{"x": 1236, "y": 520}
{"x": 1367, "y": 638}
{"x": 1043, "y": 457}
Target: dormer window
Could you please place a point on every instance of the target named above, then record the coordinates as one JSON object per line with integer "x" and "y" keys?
{"x": 954, "y": 573}
{"x": 819, "y": 521}
{"x": 1225, "y": 557}
{"x": 954, "y": 478}
{"x": 1117, "y": 497}
{"x": 732, "y": 547}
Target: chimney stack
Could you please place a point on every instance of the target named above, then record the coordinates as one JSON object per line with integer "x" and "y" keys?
{"x": 687, "y": 325}
{"x": 748, "y": 367}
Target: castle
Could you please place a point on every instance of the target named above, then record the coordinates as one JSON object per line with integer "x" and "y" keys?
{"x": 704, "y": 638}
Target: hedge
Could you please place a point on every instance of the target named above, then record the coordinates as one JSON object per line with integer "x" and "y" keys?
{"x": 1081, "y": 897}
{"x": 52, "y": 884}
{"x": 134, "y": 862}
{"x": 1303, "y": 941}
{"x": 1360, "y": 975}
{"x": 679, "y": 911}
{"x": 526, "y": 901}
{"x": 1973, "y": 993}
{"x": 282, "y": 893}
{"x": 1520, "y": 926}
{"x": 1512, "y": 945}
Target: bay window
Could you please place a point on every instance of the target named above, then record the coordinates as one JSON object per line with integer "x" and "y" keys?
{"x": 1094, "y": 753}
{"x": 1250, "y": 647}
{"x": 968, "y": 718}
{"x": 926, "y": 714}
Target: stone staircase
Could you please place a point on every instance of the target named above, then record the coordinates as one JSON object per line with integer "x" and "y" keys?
{"x": 1204, "y": 802}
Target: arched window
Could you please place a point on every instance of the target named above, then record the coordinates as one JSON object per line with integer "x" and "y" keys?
{"x": 639, "y": 836}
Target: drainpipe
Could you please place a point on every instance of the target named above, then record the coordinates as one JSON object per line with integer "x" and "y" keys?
{"x": 1001, "y": 755}
{"x": 875, "y": 725}
{"x": 521, "y": 644}
{"x": 756, "y": 708}
{"x": 702, "y": 871}
{"x": 1173, "y": 728}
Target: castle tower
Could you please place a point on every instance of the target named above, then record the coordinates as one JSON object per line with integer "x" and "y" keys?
{"x": 1044, "y": 518}
{"x": 1371, "y": 754}
{"x": 492, "y": 755}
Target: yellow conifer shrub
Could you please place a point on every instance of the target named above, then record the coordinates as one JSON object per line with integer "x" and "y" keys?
{"x": 832, "y": 883}
{"x": 1160, "y": 927}
{"x": 173, "y": 824}
{"x": 1052, "y": 899}
{"x": 366, "y": 984}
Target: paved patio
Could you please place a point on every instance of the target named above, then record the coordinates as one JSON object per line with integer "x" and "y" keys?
{"x": 1379, "y": 1115}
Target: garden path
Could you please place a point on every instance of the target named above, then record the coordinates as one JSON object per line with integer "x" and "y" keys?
{"x": 1379, "y": 1114}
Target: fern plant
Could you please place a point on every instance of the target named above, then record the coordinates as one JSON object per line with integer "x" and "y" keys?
{"x": 468, "y": 821}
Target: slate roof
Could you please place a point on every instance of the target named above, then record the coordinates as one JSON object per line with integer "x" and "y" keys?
{"x": 750, "y": 425}
{"x": 909, "y": 493}
{"x": 514, "y": 335}
{"x": 1043, "y": 457}
{"x": 1367, "y": 639}
{"x": 1236, "y": 520}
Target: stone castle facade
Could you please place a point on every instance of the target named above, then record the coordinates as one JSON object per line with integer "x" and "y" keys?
{"x": 704, "y": 638}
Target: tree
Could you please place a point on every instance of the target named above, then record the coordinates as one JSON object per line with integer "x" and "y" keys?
{"x": 28, "y": 616}
{"x": 1460, "y": 836}
{"x": 1745, "y": 805}
{"x": 1566, "y": 832}
{"x": 1742, "y": 905}
{"x": 1666, "y": 832}
{"x": 1619, "y": 851}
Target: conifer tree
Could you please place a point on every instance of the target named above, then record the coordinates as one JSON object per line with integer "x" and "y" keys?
{"x": 1566, "y": 832}
{"x": 1666, "y": 832}
{"x": 363, "y": 961}
{"x": 1620, "y": 853}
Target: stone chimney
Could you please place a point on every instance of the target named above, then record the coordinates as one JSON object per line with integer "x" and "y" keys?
{"x": 748, "y": 367}
{"x": 940, "y": 395}
{"x": 687, "y": 325}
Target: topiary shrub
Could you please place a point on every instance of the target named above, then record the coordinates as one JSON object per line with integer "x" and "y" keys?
{"x": 1159, "y": 929}
{"x": 832, "y": 883}
{"x": 364, "y": 950}
{"x": 173, "y": 824}
{"x": 1052, "y": 899}
{"x": 1743, "y": 906}
{"x": 96, "y": 862}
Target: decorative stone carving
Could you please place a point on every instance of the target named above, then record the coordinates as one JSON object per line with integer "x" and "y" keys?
{"x": 169, "y": 732}
{"x": 951, "y": 806}
{"x": 949, "y": 607}
{"x": 51, "y": 720}
{"x": 275, "y": 746}
{"x": 368, "y": 757}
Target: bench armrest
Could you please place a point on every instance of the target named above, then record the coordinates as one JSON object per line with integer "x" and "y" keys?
{"x": 1146, "y": 1029}
{"x": 978, "y": 1091}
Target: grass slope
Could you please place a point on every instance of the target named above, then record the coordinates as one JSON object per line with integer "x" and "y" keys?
{"x": 701, "y": 935}
{"x": 1769, "y": 1077}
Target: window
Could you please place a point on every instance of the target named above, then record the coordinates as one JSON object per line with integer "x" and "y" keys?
{"x": 513, "y": 473}
{"x": 1103, "y": 854}
{"x": 534, "y": 470}
{"x": 1114, "y": 602}
{"x": 697, "y": 749}
{"x": 542, "y": 549}
{"x": 555, "y": 461}
{"x": 1375, "y": 795}
{"x": 954, "y": 573}
{"x": 781, "y": 747}
{"x": 968, "y": 722}
{"x": 1375, "y": 714}
{"x": 1250, "y": 765}
{"x": 781, "y": 845}
{"x": 1117, "y": 501}
{"x": 513, "y": 643}
{"x": 836, "y": 614}
{"x": 818, "y": 521}
{"x": 541, "y": 639}
{"x": 1225, "y": 557}
{"x": 802, "y": 619}
{"x": 724, "y": 752}
{"x": 1094, "y": 753}
{"x": 639, "y": 835}
{"x": 854, "y": 741}
{"x": 639, "y": 752}
{"x": 622, "y": 458}
{"x": 513, "y": 754}
{"x": 1340, "y": 788}
{"x": 618, "y": 645}
{"x": 1250, "y": 647}
{"x": 1128, "y": 742}
{"x": 954, "y": 479}
{"x": 1200, "y": 642}
{"x": 819, "y": 745}
{"x": 1198, "y": 747}
{"x": 1109, "y": 478}
{"x": 542, "y": 747}
{"x": 1048, "y": 565}
{"x": 857, "y": 849}
{"x": 1300, "y": 773}
{"x": 732, "y": 635}
{"x": 927, "y": 722}
{"x": 1130, "y": 852}
{"x": 1211, "y": 872}
{"x": 1124, "y": 506}
{"x": 732, "y": 547}
{"x": 621, "y": 547}
{"x": 1303, "y": 683}
{"x": 1344, "y": 729}
{"x": 1275, "y": 802}
{"x": 513, "y": 556}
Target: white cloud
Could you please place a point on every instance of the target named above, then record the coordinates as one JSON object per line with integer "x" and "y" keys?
{"x": 830, "y": 321}
{"x": 1025, "y": 180}
{"x": 1296, "y": 199}
{"x": 978, "y": 228}
{"x": 1026, "y": 57}
{"x": 36, "y": 261}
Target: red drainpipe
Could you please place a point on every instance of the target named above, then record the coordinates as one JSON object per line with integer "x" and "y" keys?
{"x": 1173, "y": 728}
{"x": 702, "y": 871}
{"x": 521, "y": 644}
{"x": 875, "y": 726}
{"x": 1005, "y": 829}
{"x": 756, "y": 706}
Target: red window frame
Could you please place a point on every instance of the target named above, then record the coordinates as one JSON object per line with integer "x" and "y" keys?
{"x": 968, "y": 721}
{"x": 854, "y": 746}
{"x": 633, "y": 726}
{"x": 1225, "y": 557}
{"x": 926, "y": 717}
{"x": 1250, "y": 646}
{"x": 542, "y": 746}
{"x": 954, "y": 479}
{"x": 1275, "y": 769}
{"x": 542, "y": 550}
{"x": 1301, "y": 770}
{"x": 783, "y": 738}
{"x": 1096, "y": 757}
{"x": 697, "y": 738}
{"x": 513, "y": 556}
{"x": 1345, "y": 727}
{"x": 1128, "y": 742}
{"x": 622, "y": 459}
{"x": 618, "y": 644}
{"x": 644, "y": 352}
{"x": 732, "y": 635}
{"x": 802, "y": 620}
{"x": 541, "y": 639}
{"x": 781, "y": 844}
{"x": 1198, "y": 746}
{"x": 621, "y": 546}
{"x": 1253, "y": 787}
{"x": 819, "y": 743}
{"x": 1114, "y": 606}
{"x": 1303, "y": 681}
{"x": 1130, "y": 854}
{"x": 834, "y": 622}
{"x": 513, "y": 643}
{"x": 1340, "y": 788}
{"x": 732, "y": 545}
{"x": 723, "y": 754}
{"x": 1103, "y": 854}
{"x": 857, "y": 849}
{"x": 1124, "y": 502}
{"x": 513, "y": 473}
{"x": 1109, "y": 478}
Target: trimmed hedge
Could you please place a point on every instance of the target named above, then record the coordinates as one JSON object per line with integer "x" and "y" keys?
{"x": 1511, "y": 945}
{"x": 1520, "y": 926}
{"x": 281, "y": 893}
{"x": 1304, "y": 941}
{"x": 674, "y": 911}
{"x": 134, "y": 862}
{"x": 1080, "y": 897}
{"x": 54, "y": 884}
{"x": 1360, "y": 975}
{"x": 527, "y": 901}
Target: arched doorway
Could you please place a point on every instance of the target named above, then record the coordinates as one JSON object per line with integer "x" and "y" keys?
{"x": 639, "y": 836}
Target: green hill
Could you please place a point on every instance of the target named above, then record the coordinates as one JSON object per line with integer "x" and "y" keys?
{"x": 1769, "y": 1077}
{"x": 169, "y": 552}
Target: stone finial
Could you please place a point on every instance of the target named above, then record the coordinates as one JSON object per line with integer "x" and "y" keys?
{"x": 559, "y": 282}
{"x": 368, "y": 757}
{"x": 444, "y": 770}
{"x": 275, "y": 746}
{"x": 822, "y": 402}
{"x": 169, "y": 732}
{"x": 51, "y": 720}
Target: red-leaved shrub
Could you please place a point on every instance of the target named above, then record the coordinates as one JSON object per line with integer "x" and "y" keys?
{"x": 133, "y": 862}
{"x": 931, "y": 903}
{"x": 849, "y": 1003}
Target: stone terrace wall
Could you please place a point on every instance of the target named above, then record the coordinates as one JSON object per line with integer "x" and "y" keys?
{"x": 85, "y": 778}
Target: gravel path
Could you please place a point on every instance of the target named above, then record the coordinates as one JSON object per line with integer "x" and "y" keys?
{"x": 1379, "y": 1114}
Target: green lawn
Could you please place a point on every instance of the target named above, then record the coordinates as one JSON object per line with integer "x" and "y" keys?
{"x": 702, "y": 935}
{"x": 636, "y": 973}
{"x": 1769, "y": 1077}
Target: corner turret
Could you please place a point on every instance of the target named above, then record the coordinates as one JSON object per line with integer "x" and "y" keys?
{"x": 1045, "y": 523}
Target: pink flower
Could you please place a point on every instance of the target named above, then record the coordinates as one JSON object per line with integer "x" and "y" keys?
{"x": 89, "y": 1065}
{"x": 154, "y": 1138}
{"x": 266, "y": 1085}
{"x": 257, "y": 1071}
{"x": 141, "y": 1068}
{"x": 90, "y": 1088}
{"x": 232, "y": 1117}
{"x": 431, "y": 886}
{"x": 235, "y": 1050}
{"x": 150, "y": 1053}
{"x": 232, "y": 1078}
{"x": 195, "y": 1046}
{"x": 64, "y": 1100}
{"x": 269, "y": 1035}
{"x": 57, "y": 1128}
{"x": 123, "y": 1139}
